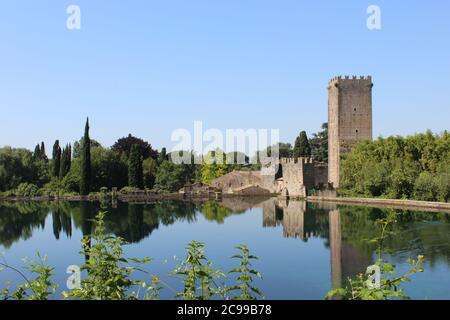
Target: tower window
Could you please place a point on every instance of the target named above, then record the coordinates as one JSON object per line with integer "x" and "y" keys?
{"x": 356, "y": 131}
{"x": 354, "y": 109}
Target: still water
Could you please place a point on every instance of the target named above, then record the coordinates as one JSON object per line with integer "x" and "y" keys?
{"x": 304, "y": 249}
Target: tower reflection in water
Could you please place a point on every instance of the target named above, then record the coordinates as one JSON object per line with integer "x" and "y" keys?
{"x": 304, "y": 221}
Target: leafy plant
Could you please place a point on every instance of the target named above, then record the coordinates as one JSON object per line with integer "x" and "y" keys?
{"x": 38, "y": 288}
{"x": 198, "y": 276}
{"x": 362, "y": 288}
{"x": 27, "y": 190}
{"x": 108, "y": 272}
{"x": 245, "y": 276}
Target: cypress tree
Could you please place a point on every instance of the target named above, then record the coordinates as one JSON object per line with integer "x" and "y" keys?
{"x": 37, "y": 152}
{"x": 162, "y": 156}
{"x": 85, "y": 181}
{"x": 135, "y": 172}
{"x": 42, "y": 154}
{"x": 301, "y": 146}
{"x": 63, "y": 160}
{"x": 56, "y": 158}
{"x": 65, "y": 163}
{"x": 69, "y": 158}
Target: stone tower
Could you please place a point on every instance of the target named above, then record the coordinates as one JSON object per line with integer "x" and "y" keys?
{"x": 349, "y": 118}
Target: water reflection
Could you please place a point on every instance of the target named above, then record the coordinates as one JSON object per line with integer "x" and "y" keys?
{"x": 344, "y": 230}
{"x": 304, "y": 221}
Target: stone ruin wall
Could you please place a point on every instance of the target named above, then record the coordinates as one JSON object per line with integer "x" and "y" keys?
{"x": 237, "y": 179}
{"x": 298, "y": 175}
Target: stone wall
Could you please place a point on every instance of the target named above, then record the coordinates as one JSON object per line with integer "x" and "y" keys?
{"x": 320, "y": 175}
{"x": 237, "y": 180}
{"x": 293, "y": 176}
{"x": 296, "y": 177}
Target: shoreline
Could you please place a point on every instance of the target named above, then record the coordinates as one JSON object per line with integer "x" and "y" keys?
{"x": 386, "y": 203}
{"x": 133, "y": 197}
{"x": 426, "y": 206}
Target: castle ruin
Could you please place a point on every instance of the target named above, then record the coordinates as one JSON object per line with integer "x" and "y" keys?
{"x": 349, "y": 121}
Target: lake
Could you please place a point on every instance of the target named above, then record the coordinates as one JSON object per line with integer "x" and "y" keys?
{"x": 304, "y": 249}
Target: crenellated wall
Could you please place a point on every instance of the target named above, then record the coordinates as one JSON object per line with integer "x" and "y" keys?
{"x": 295, "y": 176}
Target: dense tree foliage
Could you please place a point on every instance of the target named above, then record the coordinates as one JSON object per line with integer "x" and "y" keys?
{"x": 150, "y": 168}
{"x": 56, "y": 159}
{"x": 66, "y": 161}
{"x": 171, "y": 177}
{"x": 135, "y": 171}
{"x": 123, "y": 147}
{"x": 284, "y": 150}
{"x": 77, "y": 147}
{"x": 39, "y": 152}
{"x": 319, "y": 144}
{"x": 16, "y": 166}
{"x": 108, "y": 170}
{"x": 214, "y": 166}
{"x": 163, "y": 156}
{"x": 415, "y": 167}
{"x": 301, "y": 146}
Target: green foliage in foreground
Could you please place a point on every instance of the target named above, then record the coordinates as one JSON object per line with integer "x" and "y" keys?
{"x": 414, "y": 167}
{"x": 38, "y": 288}
{"x": 362, "y": 287}
{"x": 110, "y": 276}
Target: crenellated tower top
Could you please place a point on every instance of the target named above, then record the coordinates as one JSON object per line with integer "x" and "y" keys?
{"x": 347, "y": 80}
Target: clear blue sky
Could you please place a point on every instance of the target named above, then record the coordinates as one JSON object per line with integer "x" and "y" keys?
{"x": 149, "y": 67}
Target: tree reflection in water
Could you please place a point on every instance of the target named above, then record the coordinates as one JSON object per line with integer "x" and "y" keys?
{"x": 343, "y": 229}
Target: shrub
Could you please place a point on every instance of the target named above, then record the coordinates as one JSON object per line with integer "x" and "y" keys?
{"x": 27, "y": 190}
{"x": 425, "y": 187}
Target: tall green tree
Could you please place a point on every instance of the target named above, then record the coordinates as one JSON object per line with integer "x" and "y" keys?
{"x": 86, "y": 170}
{"x": 301, "y": 146}
{"x": 69, "y": 158}
{"x": 319, "y": 144}
{"x": 66, "y": 160}
{"x": 63, "y": 161}
{"x": 162, "y": 156}
{"x": 150, "y": 169}
{"x": 42, "y": 153}
{"x": 135, "y": 171}
{"x": 56, "y": 159}
{"x": 37, "y": 152}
